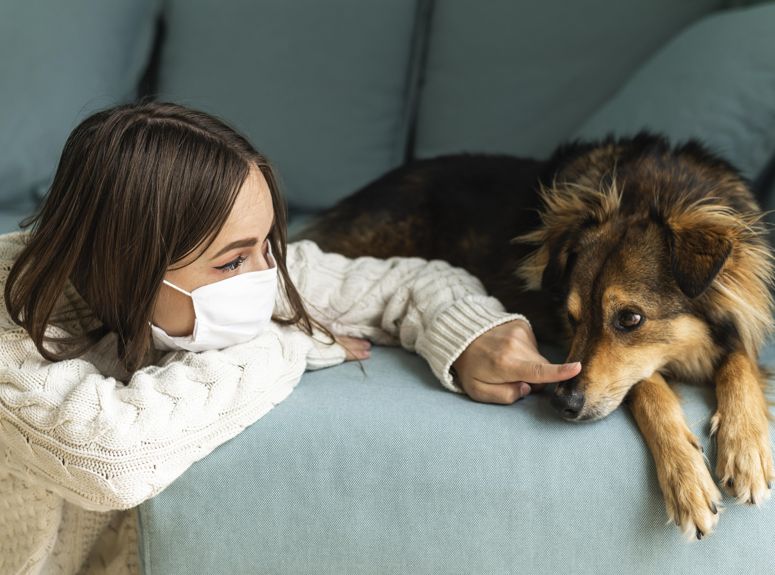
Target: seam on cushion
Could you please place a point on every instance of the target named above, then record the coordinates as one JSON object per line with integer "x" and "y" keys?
{"x": 140, "y": 51}
{"x": 403, "y": 149}
{"x": 148, "y": 79}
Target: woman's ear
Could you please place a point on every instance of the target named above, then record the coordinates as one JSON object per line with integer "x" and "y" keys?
{"x": 697, "y": 255}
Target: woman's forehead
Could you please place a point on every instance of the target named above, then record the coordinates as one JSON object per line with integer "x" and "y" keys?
{"x": 252, "y": 211}
{"x": 251, "y": 216}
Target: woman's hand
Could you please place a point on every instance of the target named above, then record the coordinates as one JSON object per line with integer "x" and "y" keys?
{"x": 355, "y": 347}
{"x": 503, "y": 364}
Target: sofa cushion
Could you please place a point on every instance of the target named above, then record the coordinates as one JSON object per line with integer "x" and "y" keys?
{"x": 765, "y": 186}
{"x": 714, "y": 81}
{"x": 12, "y": 214}
{"x": 79, "y": 56}
{"x": 388, "y": 472}
{"x": 519, "y": 77}
{"x": 319, "y": 87}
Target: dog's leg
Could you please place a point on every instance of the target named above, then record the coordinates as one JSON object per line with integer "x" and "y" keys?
{"x": 691, "y": 497}
{"x": 744, "y": 462}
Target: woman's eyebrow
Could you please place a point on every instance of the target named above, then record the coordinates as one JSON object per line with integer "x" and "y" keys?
{"x": 243, "y": 243}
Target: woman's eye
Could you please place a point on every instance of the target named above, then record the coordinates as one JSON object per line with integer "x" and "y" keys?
{"x": 572, "y": 321}
{"x": 628, "y": 320}
{"x": 231, "y": 266}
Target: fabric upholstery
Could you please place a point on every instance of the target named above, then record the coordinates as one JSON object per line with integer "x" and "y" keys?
{"x": 319, "y": 87}
{"x": 78, "y": 57}
{"x": 518, "y": 77}
{"x": 11, "y": 215}
{"x": 389, "y": 473}
{"x": 714, "y": 81}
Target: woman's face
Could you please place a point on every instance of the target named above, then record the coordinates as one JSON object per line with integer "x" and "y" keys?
{"x": 241, "y": 246}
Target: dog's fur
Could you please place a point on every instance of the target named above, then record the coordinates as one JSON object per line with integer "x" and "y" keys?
{"x": 650, "y": 261}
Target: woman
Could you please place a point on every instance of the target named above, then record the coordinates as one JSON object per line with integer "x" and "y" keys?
{"x": 145, "y": 326}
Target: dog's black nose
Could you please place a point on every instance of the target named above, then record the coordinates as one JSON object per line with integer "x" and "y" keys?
{"x": 568, "y": 399}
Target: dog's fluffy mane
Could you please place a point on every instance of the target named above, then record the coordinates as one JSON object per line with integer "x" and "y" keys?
{"x": 691, "y": 189}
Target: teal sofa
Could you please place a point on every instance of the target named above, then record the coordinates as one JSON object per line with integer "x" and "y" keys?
{"x": 387, "y": 472}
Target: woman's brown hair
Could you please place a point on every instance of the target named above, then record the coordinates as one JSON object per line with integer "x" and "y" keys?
{"x": 138, "y": 188}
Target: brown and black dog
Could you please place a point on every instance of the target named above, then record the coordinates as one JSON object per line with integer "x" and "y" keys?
{"x": 649, "y": 261}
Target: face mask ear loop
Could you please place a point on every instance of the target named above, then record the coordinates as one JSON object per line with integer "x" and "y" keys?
{"x": 176, "y": 287}
{"x": 271, "y": 255}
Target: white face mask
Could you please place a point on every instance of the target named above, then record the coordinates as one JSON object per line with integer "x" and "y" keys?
{"x": 226, "y": 312}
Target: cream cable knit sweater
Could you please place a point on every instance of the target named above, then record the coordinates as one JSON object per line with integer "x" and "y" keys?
{"x": 82, "y": 442}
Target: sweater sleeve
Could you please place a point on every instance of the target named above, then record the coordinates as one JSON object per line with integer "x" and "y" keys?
{"x": 426, "y": 306}
{"x": 105, "y": 444}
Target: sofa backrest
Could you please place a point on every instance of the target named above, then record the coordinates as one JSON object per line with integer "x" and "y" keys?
{"x": 335, "y": 93}
{"x": 60, "y": 62}
{"x": 319, "y": 87}
{"x": 518, "y": 77}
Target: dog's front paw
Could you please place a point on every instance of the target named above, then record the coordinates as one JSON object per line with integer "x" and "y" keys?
{"x": 744, "y": 461}
{"x": 692, "y": 499}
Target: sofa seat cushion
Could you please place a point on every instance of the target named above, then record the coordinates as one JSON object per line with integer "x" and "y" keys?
{"x": 387, "y": 472}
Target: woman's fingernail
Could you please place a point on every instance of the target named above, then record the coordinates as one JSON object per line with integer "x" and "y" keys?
{"x": 571, "y": 366}
{"x": 524, "y": 389}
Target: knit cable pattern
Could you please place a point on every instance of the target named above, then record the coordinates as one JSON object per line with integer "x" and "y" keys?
{"x": 77, "y": 431}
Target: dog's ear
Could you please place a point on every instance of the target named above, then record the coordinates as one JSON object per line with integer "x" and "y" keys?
{"x": 558, "y": 263}
{"x": 569, "y": 210}
{"x": 697, "y": 255}
{"x": 554, "y": 269}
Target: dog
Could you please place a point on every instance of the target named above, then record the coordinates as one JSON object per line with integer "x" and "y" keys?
{"x": 649, "y": 262}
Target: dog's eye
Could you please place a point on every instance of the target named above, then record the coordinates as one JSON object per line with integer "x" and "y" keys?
{"x": 628, "y": 320}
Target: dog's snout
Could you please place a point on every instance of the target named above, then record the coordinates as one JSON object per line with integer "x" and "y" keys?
{"x": 568, "y": 399}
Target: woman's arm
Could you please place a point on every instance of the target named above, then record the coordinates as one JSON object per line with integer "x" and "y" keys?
{"x": 425, "y": 306}
{"x": 105, "y": 445}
